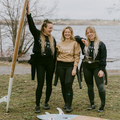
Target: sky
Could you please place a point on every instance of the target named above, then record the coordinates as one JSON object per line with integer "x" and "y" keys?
{"x": 84, "y": 9}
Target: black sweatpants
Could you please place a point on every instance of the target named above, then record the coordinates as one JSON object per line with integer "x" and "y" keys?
{"x": 64, "y": 71}
{"x": 45, "y": 66}
{"x": 91, "y": 70}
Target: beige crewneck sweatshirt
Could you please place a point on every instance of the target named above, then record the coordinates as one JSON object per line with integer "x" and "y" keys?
{"x": 68, "y": 51}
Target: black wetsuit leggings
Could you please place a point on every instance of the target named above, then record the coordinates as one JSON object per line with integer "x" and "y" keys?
{"x": 45, "y": 67}
{"x": 64, "y": 71}
{"x": 91, "y": 70}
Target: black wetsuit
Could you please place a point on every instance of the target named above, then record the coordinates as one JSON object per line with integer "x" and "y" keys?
{"x": 91, "y": 69}
{"x": 64, "y": 70}
{"x": 44, "y": 63}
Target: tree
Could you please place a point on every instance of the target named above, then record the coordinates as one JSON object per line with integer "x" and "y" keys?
{"x": 115, "y": 7}
{"x": 10, "y": 13}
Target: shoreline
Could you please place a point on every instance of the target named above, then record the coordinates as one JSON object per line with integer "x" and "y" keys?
{"x": 25, "y": 68}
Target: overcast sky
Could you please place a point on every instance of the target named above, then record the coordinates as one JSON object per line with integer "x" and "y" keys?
{"x": 84, "y": 9}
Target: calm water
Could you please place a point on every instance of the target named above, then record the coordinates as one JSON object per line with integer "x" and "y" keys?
{"x": 110, "y": 35}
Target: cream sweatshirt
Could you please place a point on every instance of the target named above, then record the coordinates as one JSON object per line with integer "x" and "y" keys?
{"x": 68, "y": 51}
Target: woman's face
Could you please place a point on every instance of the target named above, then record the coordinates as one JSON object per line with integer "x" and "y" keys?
{"x": 90, "y": 35}
{"x": 67, "y": 34}
{"x": 48, "y": 29}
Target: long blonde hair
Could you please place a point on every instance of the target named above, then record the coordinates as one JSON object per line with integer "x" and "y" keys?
{"x": 72, "y": 34}
{"x": 42, "y": 37}
{"x": 96, "y": 41}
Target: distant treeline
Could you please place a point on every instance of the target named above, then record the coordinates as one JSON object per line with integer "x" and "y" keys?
{"x": 76, "y": 22}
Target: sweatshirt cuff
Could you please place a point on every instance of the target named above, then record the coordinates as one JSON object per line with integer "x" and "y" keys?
{"x": 75, "y": 64}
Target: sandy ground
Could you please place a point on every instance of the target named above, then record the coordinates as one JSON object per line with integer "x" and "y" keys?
{"x": 5, "y": 68}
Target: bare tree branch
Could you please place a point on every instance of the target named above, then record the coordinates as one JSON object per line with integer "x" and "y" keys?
{"x": 114, "y": 8}
{"x": 10, "y": 13}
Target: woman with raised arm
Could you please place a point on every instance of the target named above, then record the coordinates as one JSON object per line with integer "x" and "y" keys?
{"x": 68, "y": 55}
{"x": 94, "y": 63}
{"x": 43, "y": 59}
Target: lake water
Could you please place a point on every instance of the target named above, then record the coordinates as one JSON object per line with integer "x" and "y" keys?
{"x": 110, "y": 35}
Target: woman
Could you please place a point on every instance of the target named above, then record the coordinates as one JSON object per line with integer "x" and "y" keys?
{"x": 68, "y": 55}
{"x": 94, "y": 63}
{"x": 44, "y": 57}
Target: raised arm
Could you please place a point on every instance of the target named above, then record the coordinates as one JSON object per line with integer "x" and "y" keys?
{"x": 31, "y": 24}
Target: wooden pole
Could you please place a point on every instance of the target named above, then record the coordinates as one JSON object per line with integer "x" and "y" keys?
{"x": 16, "y": 52}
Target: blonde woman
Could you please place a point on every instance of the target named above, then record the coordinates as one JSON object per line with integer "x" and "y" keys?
{"x": 68, "y": 55}
{"x": 94, "y": 64}
{"x": 43, "y": 59}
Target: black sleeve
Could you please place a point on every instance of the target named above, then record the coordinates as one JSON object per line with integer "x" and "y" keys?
{"x": 103, "y": 56}
{"x": 32, "y": 26}
{"x": 78, "y": 39}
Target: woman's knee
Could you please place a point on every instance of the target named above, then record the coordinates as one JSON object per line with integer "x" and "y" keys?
{"x": 68, "y": 87}
{"x": 101, "y": 88}
{"x": 90, "y": 87}
{"x": 49, "y": 87}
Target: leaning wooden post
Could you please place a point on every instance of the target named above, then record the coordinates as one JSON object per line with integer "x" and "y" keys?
{"x": 16, "y": 52}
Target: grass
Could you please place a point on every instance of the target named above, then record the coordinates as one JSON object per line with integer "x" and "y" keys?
{"x": 22, "y": 101}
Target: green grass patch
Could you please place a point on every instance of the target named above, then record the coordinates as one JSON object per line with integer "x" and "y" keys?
{"x": 22, "y": 101}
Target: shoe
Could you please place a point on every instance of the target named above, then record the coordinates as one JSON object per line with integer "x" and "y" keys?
{"x": 37, "y": 109}
{"x": 91, "y": 107}
{"x": 46, "y": 106}
{"x": 101, "y": 109}
{"x": 64, "y": 107}
{"x": 68, "y": 110}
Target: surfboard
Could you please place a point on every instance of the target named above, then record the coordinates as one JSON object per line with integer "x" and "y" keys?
{"x": 87, "y": 118}
{"x": 62, "y": 116}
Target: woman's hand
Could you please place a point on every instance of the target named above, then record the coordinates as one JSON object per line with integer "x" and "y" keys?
{"x": 27, "y": 8}
{"x": 74, "y": 71}
{"x": 84, "y": 42}
{"x": 100, "y": 73}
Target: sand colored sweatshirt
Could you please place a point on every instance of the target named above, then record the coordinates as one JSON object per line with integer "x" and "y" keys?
{"x": 68, "y": 51}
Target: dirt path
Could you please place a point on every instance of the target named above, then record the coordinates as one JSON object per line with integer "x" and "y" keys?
{"x": 5, "y": 68}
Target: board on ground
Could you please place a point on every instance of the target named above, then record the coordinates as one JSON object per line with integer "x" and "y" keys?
{"x": 62, "y": 116}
